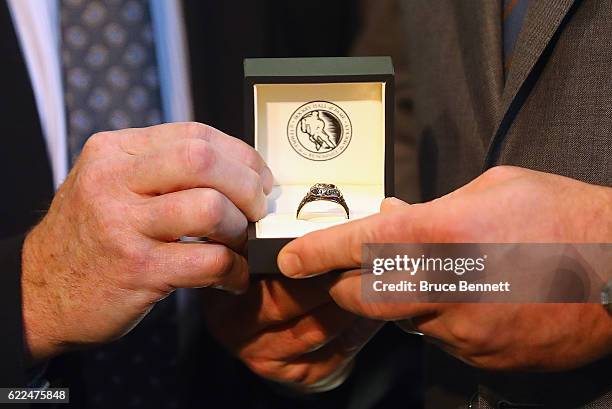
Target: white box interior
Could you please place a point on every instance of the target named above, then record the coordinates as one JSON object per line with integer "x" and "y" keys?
{"x": 359, "y": 172}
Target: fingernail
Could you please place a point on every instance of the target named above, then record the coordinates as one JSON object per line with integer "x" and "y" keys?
{"x": 290, "y": 264}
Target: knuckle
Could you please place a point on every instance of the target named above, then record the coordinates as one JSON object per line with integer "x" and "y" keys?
{"x": 221, "y": 262}
{"x": 265, "y": 368}
{"x": 273, "y": 305}
{"x": 198, "y": 155}
{"x": 473, "y": 338}
{"x": 94, "y": 143}
{"x": 314, "y": 337}
{"x": 118, "y": 244}
{"x": 195, "y": 130}
{"x": 298, "y": 374}
{"x": 493, "y": 362}
{"x": 252, "y": 159}
{"x": 502, "y": 172}
{"x": 135, "y": 258}
{"x": 89, "y": 179}
{"x": 274, "y": 313}
{"x": 460, "y": 332}
{"x": 254, "y": 186}
{"x": 96, "y": 179}
{"x": 252, "y": 194}
{"x": 213, "y": 208}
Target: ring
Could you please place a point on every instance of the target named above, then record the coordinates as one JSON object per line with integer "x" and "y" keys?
{"x": 323, "y": 192}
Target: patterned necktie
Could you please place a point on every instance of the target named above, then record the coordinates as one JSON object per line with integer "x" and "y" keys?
{"x": 513, "y": 14}
{"x": 110, "y": 68}
{"x": 111, "y": 82}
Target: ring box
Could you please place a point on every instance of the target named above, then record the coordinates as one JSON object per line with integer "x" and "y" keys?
{"x": 318, "y": 120}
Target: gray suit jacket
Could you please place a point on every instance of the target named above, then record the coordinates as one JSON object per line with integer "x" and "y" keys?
{"x": 553, "y": 113}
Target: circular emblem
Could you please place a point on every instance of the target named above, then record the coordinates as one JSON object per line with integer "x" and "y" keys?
{"x": 319, "y": 130}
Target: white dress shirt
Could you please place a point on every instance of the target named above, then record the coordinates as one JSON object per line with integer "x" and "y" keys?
{"x": 38, "y": 29}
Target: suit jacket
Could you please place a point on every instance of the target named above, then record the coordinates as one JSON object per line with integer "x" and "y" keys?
{"x": 27, "y": 192}
{"x": 551, "y": 113}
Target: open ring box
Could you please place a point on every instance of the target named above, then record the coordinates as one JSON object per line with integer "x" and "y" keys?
{"x": 318, "y": 120}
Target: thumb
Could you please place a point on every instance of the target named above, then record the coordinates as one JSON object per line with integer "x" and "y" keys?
{"x": 391, "y": 204}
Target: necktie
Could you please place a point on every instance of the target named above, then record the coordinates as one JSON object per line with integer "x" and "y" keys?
{"x": 109, "y": 66}
{"x": 513, "y": 14}
{"x": 111, "y": 82}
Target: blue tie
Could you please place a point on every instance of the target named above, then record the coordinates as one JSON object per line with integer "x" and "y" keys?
{"x": 513, "y": 14}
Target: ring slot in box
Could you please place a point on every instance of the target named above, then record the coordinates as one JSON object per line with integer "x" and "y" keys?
{"x": 318, "y": 120}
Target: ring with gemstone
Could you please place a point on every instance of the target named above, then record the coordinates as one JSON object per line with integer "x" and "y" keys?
{"x": 323, "y": 192}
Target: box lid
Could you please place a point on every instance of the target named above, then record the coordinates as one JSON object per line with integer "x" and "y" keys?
{"x": 317, "y": 67}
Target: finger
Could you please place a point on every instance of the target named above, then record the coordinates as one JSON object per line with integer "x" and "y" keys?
{"x": 339, "y": 247}
{"x": 329, "y": 382}
{"x": 141, "y": 141}
{"x": 311, "y": 369}
{"x": 300, "y": 336}
{"x": 181, "y": 265}
{"x": 268, "y": 302}
{"x": 198, "y": 212}
{"x": 195, "y": 163}
{"x": 334, "y": 248}
{"x": 348, "y": 292}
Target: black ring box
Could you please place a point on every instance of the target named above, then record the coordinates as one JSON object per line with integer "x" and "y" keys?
{"x": 327, "y": 120}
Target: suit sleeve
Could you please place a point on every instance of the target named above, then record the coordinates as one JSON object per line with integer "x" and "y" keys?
{"x": 11, "y": 317}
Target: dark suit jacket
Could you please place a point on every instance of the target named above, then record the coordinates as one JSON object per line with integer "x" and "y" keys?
{"x": 26, "y": 194}
{"x": 552, "y": 113}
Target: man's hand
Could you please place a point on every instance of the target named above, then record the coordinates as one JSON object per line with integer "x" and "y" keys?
{"x": 106, "y": 251}
{"x": 290, "y": 332}
{"x": 505, "y": 204}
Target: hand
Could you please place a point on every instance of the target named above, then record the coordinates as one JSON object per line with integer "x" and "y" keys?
{"x": 290, "y": 332}
{"x": 505, "y": 204}
{"x": 106, "y": 251}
